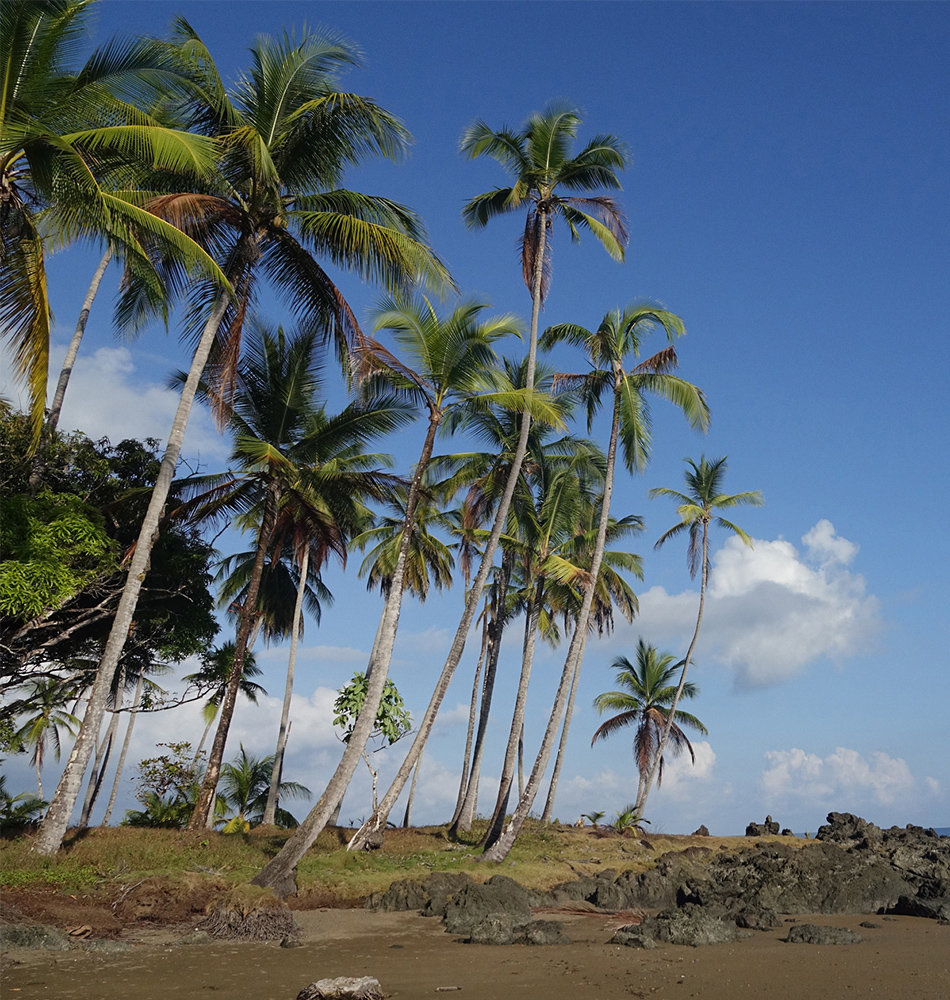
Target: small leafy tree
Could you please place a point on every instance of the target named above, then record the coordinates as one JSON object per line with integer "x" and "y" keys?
{"x": 167, "y": 786}
{"x": 392, "y": 722}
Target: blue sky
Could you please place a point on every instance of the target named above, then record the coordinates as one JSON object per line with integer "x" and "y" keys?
{"x": 789, "y": 199}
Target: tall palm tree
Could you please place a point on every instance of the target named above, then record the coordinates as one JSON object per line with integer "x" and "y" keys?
{"x": 48, "y": 698}
{"x": 66, "y": 137}
{"x": 291, "y": 460}
{"x": 645, "y": 700}
{"x": 697, "y": 510}
{"x": 286, "y": 137}
{"x": 538, "y": 158}
{"x": 618, "y": 337}
{"x": 450, "y": 360}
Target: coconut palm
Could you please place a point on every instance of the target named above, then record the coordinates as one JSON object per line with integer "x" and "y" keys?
{"x": 450, "y": 360}
{"x": 618, "y": 337}
{"x": 287, "y": 137}
{"x": 67, "y": 142}
{"x": 296, "y": 469}
{"x": 645, "y": 701}
{"x": 697, "y": 510}
{"x": 47, "y": 698}
{"x": 538, "y": 158}
{"x": 213, "y": 677}
{"x": 244, "y": 785}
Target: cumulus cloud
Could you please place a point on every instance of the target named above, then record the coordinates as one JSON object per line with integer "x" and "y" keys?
{"x": 845, "y": 778}
{"x": 772, "y": 610}
{"x": 681, "y": 776}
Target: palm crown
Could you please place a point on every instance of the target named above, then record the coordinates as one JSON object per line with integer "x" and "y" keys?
{"x": 538, "y": 156}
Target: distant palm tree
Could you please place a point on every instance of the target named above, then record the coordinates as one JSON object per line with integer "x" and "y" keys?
{"x": 645, "y": 701}
{"x": 48, "y": 698}
{"x": 244, "y": 788}
{"x": 697, "y": 510}
{"x": 215, "y": 669}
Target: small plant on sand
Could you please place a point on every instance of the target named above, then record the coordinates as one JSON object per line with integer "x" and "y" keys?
{"x": 627, "y": 819}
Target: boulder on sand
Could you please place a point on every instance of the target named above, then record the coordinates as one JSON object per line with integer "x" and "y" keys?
{"x": 343, "y": 988}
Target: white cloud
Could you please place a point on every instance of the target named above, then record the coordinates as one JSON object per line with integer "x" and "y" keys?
{"x": 771, "y": 611}
{"x": 845, "y": 776}
{"x": 681, "y": 776}
{"x": 933, "y": 786}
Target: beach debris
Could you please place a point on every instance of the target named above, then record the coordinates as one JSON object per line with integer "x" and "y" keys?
{"x": 813, "y": 934}
{"x": 249, "y": 913}
{"x": 343, "y": 988}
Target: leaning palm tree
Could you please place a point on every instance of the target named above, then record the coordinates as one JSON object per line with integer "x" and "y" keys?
{"x": 67, "y": 140}
{"x": 697, "y": 510}
{"x": 644, "y": 700}
{"x": 618, "y": 337}
{"x": 449, "y": 360}
{"x": 288, "y": 457}
{"x": 286, "y": 137}
{"x": 538, "y": 158}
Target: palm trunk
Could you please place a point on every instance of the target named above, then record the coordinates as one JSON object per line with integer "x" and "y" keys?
{"x": 562, "y": 746}
{"x": 464, "y": 781}
{"x": 278, "y": 874}
{"x": 125, "y": 749}
{"x": 412, "y": 794}
{"x": 517, "y": 720}
{"x": 52, "y": 420}
{"x": 378, "y": 820}
{"x": 498, "y": 851}
{"x": 647, "y": 782}
{"x": 494, "y": 633}
{"x": 103, "y": 753}
{"x": 202, "y": 815}
{"x": 270, "y": 809}
{"x": 53, "y": 828}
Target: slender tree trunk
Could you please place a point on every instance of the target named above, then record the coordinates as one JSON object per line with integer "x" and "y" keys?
{"x": 470, "y": 734}
{"x": 125, "y": 749}
{"x": 498, "y": 851}
{"x": 52, "y": 419}
{"x": 278, "y": 873}
{"x": 38, "y": 761}
{"x": 270, "y": 809}
{"x": 647, "y": 782}
{"x": 103, "y": 753}
{"x": 53, "y": 829}
{"x": 517, "y": 721}
{"x": 378, "y": 820}
{"x": 202, "y": 815}
{"x": 470, "y": 805}
{"x": 562, "y": 746}
{"x": 406, "y": 820}
{"x": 204, "y": 736}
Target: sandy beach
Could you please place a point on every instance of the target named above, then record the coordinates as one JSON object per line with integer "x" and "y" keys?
{"x": 902, "y": 958}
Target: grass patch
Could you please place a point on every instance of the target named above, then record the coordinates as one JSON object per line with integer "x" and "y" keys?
{"x": 106, "y": 861}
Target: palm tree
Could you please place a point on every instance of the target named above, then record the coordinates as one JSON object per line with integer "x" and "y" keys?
{"x": 47, "y": 699}
{"x": 645, "y": 701}
{"x": 286, "y": 137}
{"x": 213, "y": 677}
{"x": 67, "y": 142}
{"x": 298, "y": 470}
{"x": 618, "y": 337}
{"x": 697, "y": 510}
{"x": 451, "y": 359}
{"x": 244, "y": 785}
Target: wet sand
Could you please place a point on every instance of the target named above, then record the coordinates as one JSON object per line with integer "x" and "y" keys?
{"x": 904, "y": 958}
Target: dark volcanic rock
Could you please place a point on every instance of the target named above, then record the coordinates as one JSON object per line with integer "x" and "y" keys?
{"x": 762, "y": 829}
{"x": 429, "y": 896}
{"x": 757, "y": 919}
{"x": 915, "y": 906}
{"x": 542, "y": 932}
{"x": 813, "y": 934}
{"x": 690, "y": 925}
{"x": 659, "y": 887}
{"x": 439, "y": 887}
{"x": 701, "y": 832}
{"x": 499, "y": 897}
{"x": 816, "y": 878}
{"x": 33, "y": 936}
